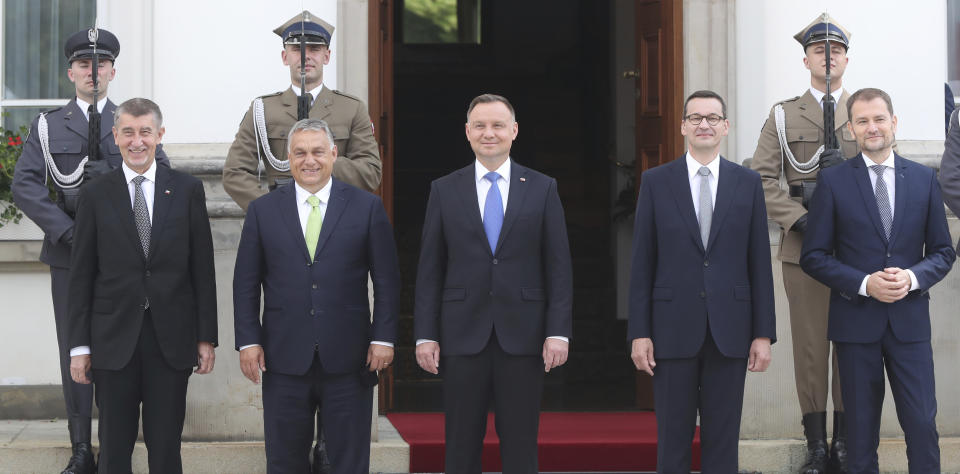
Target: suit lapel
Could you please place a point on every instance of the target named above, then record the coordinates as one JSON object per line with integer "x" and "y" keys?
{"x": 321, "y": 105}
{"x": 108, "y": 110}
{"x": 518, "y": 191}
{"x": 840, "y": 116}
{"x": 289, "y": 101}
{"x": 810, "y": 109}
{"x": 684, "y": 199}
{"x": 339, "y": 197}
{"x": 74, "y": 120}
{"x": 120, "y": 199}
{"x": 899, "y": 196}
{"x": 862, "y": 178}
{"x": 161, "y": 206}
{"x": 471, "y": 208}
{"x": 291, "y": 218}
{"x": 726, "y": 190}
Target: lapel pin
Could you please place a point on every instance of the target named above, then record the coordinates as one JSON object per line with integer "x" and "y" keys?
{"x": 166, "y": 191}
{"x": 523, "y": 180}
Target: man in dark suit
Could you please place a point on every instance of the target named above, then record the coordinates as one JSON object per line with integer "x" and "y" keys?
{"x": 950, "y": 164}
{"x": 143, "y": 302}
{"x": 309, "y": 247}
{"x": 494, "y": 293}
{"x": 701, "y": 291}
{"x": 877, "y": 236}
{"x": 58, "y": 143}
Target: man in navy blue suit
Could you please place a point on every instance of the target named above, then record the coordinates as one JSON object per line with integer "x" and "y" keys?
{"x": 309, "y": 247}
{"x": 877, "y": 236}
{"x": 494, "y": 293}
{"x": 701, "y": 291}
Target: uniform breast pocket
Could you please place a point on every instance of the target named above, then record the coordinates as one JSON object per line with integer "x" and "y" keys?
{"x": 803, "y": 142}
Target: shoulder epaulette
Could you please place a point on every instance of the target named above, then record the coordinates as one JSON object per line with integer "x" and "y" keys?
{"x": 344, "y": 94}
{"x": 271, "y": 94}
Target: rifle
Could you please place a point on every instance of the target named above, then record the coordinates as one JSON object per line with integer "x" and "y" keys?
{"x": 93, "y": 132}
{"x": 829, "y": 105}
{"x": 303, "y": 102}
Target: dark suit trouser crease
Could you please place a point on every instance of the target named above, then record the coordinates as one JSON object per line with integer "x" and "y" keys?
{"x": 514, "y": 384}
{"x": 711, "y": 383}
{"x": 909, "y": 367}
{"x": 78, "y": 397}
{"x": 290, "y": 404}
{"x": 146, "y": 386}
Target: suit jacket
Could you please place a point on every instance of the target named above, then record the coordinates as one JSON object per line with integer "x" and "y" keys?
{"x": 845, "y": 242}
{"x": 111, "y": 280}
{"x": 523, "y": 291}
{"x": 803, "y": 118}
{"x": 950, "y": 166}
{"x": 67, "y": 132}
{"x": 677, "y": 286}
{"x": 359, "y": 154}
{"x": 320, "y": 305}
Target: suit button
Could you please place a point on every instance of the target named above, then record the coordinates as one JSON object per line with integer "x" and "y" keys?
{"x": 314, "y": 286}
{"x": 495, "y": 261}
{"x": 703, "y": 294}
{"x": 888, "y": 254}
{"x": 491, "y": 293}
{"x": 147, "y": 274}
{"x": 311, "y": 312}
{"x": 706, "y": 263}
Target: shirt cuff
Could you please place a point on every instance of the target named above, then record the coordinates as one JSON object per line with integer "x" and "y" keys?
{"x": 562, "y": 338}
{"x": 248, "y": 346}
{"x": 381, "y": 343}
{"x": 913, "y": 280}
{"x": 79, "y": 351}
{"x": 863, "y": 287}
{"x": 421, "y": 341}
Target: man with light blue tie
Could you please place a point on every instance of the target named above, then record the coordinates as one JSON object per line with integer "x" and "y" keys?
{"x": 494, "y": 293}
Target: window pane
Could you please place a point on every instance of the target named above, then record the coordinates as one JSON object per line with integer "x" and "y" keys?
{"x": 34, "y": 66}
{"x": 14, "y": 117}
{"x": 441, "y": 21}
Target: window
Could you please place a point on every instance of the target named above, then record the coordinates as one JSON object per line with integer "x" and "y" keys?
{"x": 34, "y": 68}
{"x": 441, "y": 21}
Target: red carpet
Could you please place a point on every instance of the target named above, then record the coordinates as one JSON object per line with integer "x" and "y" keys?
{"x": 622, "y": 441}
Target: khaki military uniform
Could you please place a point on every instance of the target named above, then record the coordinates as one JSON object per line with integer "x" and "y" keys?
{"x": 809, "y": 300}
{"x": 358, "y": 157}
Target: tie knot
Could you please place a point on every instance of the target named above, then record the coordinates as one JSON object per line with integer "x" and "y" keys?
{"x": 878, "y": 169}
{"x": 313, "y": 201}
{"x": 703, "y": 171}
{"x": 492, "y": 176}
{"x": 139, "y": 180}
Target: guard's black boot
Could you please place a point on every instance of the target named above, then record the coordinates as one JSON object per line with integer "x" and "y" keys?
{"x": 838, "y": 445}
{"x": 82, "y": 460}
{"x": 815, "y": 429}
{"x": 321, "y": 463}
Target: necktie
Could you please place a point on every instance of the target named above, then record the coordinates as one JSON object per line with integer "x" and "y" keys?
{"x": 883, "y": 199}
{"x": 141, "y": 215}
{"x": 493, "y": 211}
{"x": 314, "y": 221}
{"x": 706, "y": 205}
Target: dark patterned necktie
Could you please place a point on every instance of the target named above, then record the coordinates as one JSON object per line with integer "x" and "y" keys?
{"x": 141, "y": 215}
{"x": 883, "y": 199}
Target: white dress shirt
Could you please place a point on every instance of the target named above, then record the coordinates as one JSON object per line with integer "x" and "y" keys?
{"x": 84, "y": 105}
{"x": 890, "y": 179}
{"x": 314, "y": 92}
{"x": 693, "y": 173}
{"x": 303, "y": 212}
{"x": 820, "y": 95}
{"x": 483, "y": 187}
{"x": 148, "y": 185}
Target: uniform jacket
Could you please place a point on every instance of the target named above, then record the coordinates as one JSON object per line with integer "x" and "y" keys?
{"x": 950, "y": 166}
{"x": 804, "y": 128}
{"x": 67, "y": 128}
{"x": 677, "y": 286}
{"x": 845, "y": 242}
{"x": 358, "y": 160}
{"x": 110, "y": 280}
{"x": 320, "y": 305}
{"x": 522, "y": 292}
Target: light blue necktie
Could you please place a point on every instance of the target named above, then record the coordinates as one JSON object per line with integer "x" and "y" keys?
{"x": 493, "y": 211}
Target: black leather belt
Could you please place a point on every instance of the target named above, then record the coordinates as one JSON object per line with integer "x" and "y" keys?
{"x": 796, "y": 191}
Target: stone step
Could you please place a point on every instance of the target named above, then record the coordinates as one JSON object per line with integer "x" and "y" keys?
{"x": 40, "y": 446}
{"x": 205, "y": 161}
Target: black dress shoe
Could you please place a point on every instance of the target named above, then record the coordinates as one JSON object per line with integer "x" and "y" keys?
{"x": 838, "y": 445}
{"x": 815, "y": 429}
{"x": 82, "y": 460}
{"x": 320, "y": 463}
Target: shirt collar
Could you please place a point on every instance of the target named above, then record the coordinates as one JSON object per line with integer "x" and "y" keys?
{"x": 323, "y": 194}
{"x": 314, "y": 92}
{"x": 150, "y": 174}
{"x": 84, "y": 105}
{"x": 819, "y": 95}
{"x": 693, "y": 166}
{"x": 888, "y": 162}
{"x": 503, "y": 170}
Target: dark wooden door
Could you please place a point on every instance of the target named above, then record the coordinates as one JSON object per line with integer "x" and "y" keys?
{"x": 659, "y": 100}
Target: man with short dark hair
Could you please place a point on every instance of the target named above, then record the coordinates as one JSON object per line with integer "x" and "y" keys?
{"x": 493, "y": 308}
{"x": 143, "y": 298}
{"x": 877, "y": 236}
{"x": 701, "y": 291}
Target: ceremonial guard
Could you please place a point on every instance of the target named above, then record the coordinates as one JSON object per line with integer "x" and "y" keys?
{"x": 793, "y": 145}
{"x": 259, "y": 149}
{"x": 68, "y": 147}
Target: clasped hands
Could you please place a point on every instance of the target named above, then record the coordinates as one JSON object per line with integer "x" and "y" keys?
{"x": 555, "y": 352}
{"x": 641, "y": 352}
{"x": 889, "y": 285}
